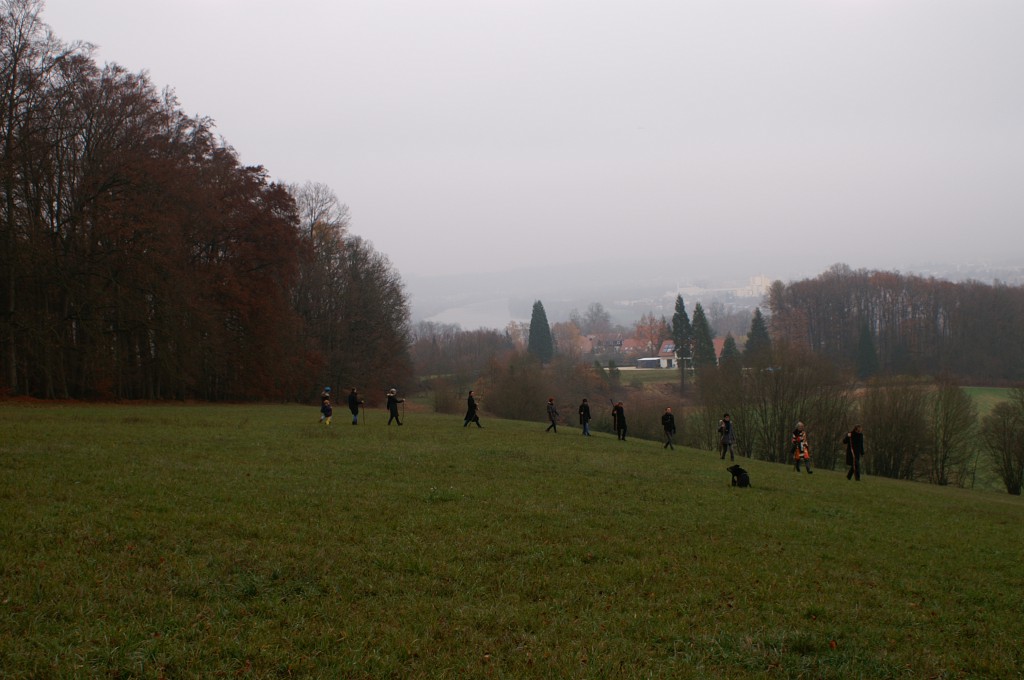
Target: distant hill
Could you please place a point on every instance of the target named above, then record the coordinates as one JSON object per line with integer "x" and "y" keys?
{"x": 631, "y": 287}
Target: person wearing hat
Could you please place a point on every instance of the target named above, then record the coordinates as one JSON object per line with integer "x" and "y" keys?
{"x": 393, "y": 402}
{"x": 325, "y": 400}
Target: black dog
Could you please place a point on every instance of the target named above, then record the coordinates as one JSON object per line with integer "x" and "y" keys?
{"x": 740, "y": 477}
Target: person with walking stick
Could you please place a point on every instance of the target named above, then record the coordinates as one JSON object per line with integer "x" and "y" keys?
{"x": 354, "y": 402}
{"x": 854, "y": 441}
{"x": 393, "y": 402}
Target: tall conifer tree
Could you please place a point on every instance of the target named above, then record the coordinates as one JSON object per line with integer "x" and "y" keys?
{"x": 682, "y": 335}
{"x": 540, "y": 343}
{"x": 703, "y": 340}
{"x": 759, "y": 343}
{"x": 730, "y": 352}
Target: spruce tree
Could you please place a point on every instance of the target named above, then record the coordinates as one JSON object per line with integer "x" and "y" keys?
{"x": 703, "y": 340}
{"x": 730, "y": 352}
{"x": 682, "y": 336}
{"x": 540, "y": 343}
{"x": 759, "y": 343}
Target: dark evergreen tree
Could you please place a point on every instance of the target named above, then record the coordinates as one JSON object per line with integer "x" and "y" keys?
{"x": 682, "y": 336}
{"x": 867, "y": 357}
{"x": 540, "y": 343}
{"x": 759, "y": 343}
{"x": 730, "y": 352}
{"x": 703, "y": 340}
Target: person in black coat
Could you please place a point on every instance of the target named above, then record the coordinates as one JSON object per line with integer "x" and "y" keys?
{"x": 354, "y": 402}
{"x": 471, "y": 411}
{"x": 619, "y": 420}
{"x": 668, "y": 423}
{"x": 585, "y": 417}
{"x": 393, "y": 402}
{"x": 854, "y": 441}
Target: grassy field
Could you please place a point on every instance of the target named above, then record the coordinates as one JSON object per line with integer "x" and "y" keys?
{"x": 221, "y": 541}
{"x": 987, "y": 397}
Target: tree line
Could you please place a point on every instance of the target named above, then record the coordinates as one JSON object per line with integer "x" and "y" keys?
{"x": 142, "y": 260}
{"x": 894, "y": 324}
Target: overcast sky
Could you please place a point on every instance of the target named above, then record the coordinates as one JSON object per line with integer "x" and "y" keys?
{"x": 475, "y": 135}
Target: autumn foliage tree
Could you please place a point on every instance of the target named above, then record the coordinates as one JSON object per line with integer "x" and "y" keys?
{"x": 140, "y": 258}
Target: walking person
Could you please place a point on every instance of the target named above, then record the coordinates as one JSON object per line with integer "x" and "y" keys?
{"x": 854, "y": 441}
{"x": 552, "y": 416}
{"x": 471, "y": 411}
{"x": 668, "y": 423}
{"x": 585, "y": 417}
{"x": 801, "y": 449}
{"x": 726, "y": 436}
{"x": 326, "y": 412}
{"x": 354, "y": 402}
{"x": 619, "y": 420}
{"x": 393, "y": 402}
{"x": 325, "y": 398}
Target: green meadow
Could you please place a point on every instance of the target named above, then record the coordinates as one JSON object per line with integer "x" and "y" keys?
{"x": 987, "y": 397}
{"x": 190, "y": 541}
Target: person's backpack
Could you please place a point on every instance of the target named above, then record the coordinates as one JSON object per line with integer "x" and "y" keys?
{"x": 740, "y": 477}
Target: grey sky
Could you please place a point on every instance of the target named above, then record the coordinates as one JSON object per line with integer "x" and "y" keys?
{"x": 474, "y": 135}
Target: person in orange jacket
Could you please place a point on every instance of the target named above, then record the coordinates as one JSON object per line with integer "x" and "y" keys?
{"x": 801, "y": 450}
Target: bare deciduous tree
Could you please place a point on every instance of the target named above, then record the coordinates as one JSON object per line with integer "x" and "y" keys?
{"x": 1003, "y": 434}
{"x": 952, "y": 424}
{"x": 895, "y": 418}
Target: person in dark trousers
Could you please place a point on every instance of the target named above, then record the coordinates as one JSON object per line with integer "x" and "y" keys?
{"x": 668, "y": 423}
{"x": 801, "y": 450}
{"x": 393, "y": 402}
{"x": 325, "y": 398}
{"x": 354, "y": 402}
{"x": 471, "y": 414}
{"x": 552, "y": 416}
{"x": 585, "y": 417}
{"x": 726, "y": 436}
{"x": 854, "y": 441}
{"x": 619, "y": 420}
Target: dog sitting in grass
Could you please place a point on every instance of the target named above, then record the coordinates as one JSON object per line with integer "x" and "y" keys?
{"x": 740, "y": 477}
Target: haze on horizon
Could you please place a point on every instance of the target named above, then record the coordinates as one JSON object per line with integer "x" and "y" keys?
{"x": 480, "y": 135}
